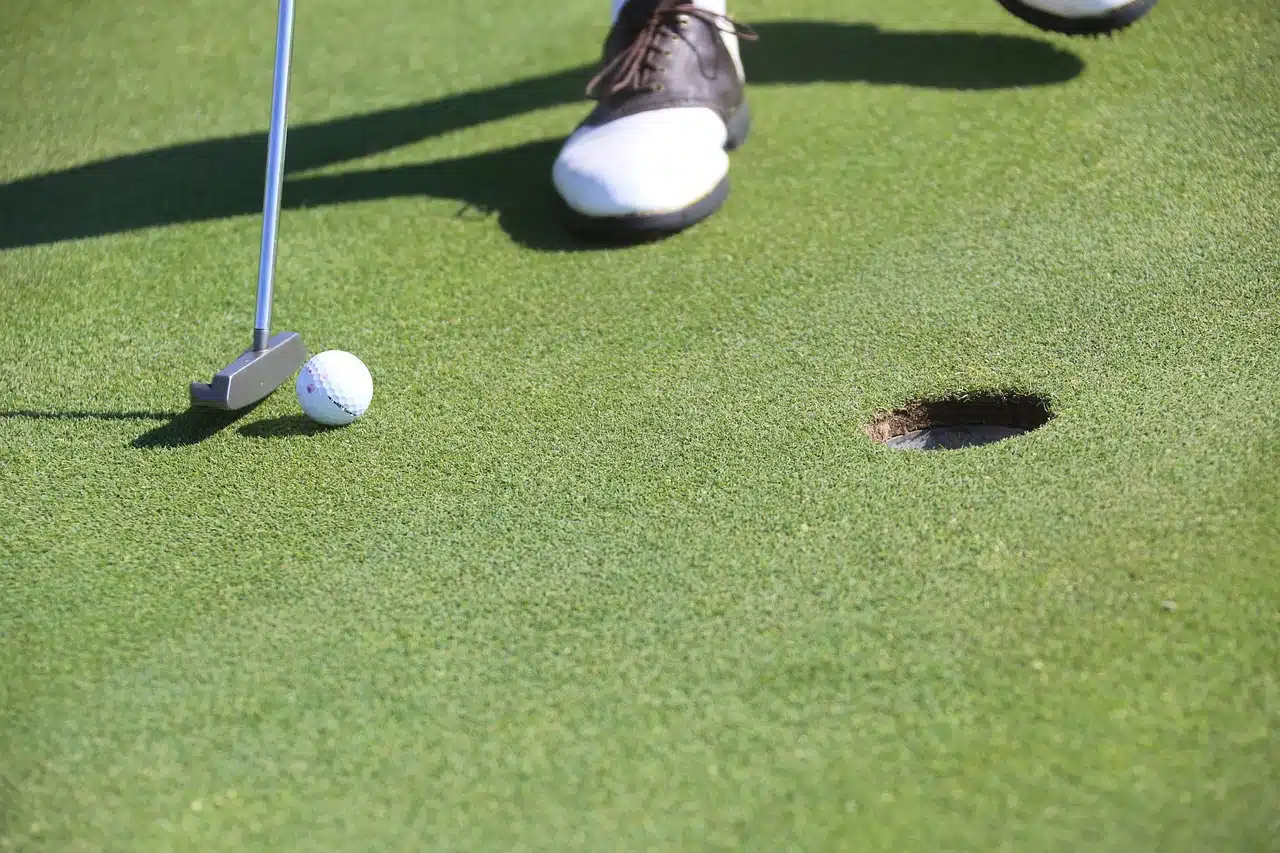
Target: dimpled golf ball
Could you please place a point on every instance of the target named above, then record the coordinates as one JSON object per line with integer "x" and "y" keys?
{"x": 334, "y": 388}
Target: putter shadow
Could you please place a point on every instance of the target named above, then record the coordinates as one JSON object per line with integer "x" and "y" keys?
{"x": 286, "y": 426}
{"x": 190, "y": 427}
{"x": 220, "y": 178}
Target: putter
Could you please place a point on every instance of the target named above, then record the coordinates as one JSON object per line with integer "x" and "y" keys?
{"x": 272, "y": 360}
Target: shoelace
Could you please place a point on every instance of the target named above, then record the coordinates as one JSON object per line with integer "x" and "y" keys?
{"x": 627, "y": 70}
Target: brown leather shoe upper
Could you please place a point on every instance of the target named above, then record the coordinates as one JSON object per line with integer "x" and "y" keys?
{"x": 663, "y": 54}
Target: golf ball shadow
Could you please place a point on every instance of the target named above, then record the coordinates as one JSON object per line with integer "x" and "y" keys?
{"x": 287, "y": 426}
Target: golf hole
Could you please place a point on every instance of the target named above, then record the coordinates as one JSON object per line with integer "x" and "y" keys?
{"x": 963, "y": 420}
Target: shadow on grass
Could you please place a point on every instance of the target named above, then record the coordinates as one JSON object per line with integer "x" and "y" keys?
{"x": 286, "y": 426}
{"x": 40, "y": 415}
{"x": 219, "y": 178}
{"x": 179, "y": 429}
{"x": 190, "y": 427}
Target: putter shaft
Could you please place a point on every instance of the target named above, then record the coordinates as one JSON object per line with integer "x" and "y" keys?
{"x": 275, "y": 175}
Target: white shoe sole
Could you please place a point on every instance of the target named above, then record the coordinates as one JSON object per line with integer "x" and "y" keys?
{"x": 646, "y": 226}
{"x": 1102, "y": 23}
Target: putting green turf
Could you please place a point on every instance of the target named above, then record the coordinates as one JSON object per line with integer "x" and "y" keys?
{"x": 610, "y": 565}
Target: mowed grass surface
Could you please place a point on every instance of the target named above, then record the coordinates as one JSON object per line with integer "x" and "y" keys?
{"x": 609, "y": 565}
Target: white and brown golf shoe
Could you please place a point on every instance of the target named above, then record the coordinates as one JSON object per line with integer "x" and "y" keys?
{"x": 651, "y": 157}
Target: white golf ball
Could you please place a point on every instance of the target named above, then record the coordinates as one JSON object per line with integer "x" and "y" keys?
{"x": 334, "y": 388}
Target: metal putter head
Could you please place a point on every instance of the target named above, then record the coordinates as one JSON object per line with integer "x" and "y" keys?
{"x": 252, "y": 376}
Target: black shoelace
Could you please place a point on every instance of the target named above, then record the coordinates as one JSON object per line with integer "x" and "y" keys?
{"x": 632, "y": 69}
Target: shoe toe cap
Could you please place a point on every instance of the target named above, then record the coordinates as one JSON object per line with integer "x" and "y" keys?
{"x": 650, "y": 163}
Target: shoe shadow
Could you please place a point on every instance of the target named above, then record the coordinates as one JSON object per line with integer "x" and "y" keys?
{"x": 220, "y": 178}
{"x": 794, "y": 52}
{"x": 510, "y": 184}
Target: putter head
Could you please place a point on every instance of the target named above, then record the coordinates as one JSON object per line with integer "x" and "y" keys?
{"x": 252, "y": 376}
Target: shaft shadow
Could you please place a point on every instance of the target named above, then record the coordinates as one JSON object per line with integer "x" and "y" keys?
{"x": 178, "y": 429}
{"x": 42, "y": 415}
{"x": 219, "y": 178}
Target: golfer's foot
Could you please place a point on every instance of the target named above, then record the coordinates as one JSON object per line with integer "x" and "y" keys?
{"x": 650, "y": 158}
{"x": 1079, "y": 17}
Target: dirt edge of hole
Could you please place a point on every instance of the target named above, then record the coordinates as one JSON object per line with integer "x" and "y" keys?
{"x": 1018, "y": 409}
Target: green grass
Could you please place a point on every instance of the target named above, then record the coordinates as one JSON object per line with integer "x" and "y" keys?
{"x": 610, "y": 565}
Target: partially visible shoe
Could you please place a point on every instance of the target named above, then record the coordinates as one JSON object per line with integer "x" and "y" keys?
{"x": 1079, "y": 17}
{"x": 651, "y": 157}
